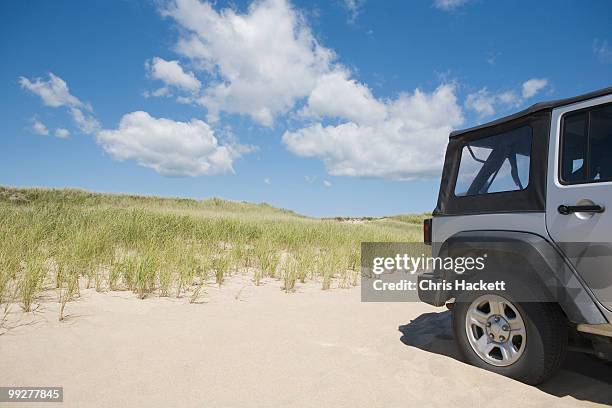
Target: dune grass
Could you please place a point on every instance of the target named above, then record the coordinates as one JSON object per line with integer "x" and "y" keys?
{"x": 69, "y": 239}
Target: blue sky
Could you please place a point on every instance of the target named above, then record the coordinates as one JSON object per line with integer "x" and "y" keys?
{"x": 324, "y": 107}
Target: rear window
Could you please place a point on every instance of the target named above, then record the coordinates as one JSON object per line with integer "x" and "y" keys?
{"x": 495, "y": 164}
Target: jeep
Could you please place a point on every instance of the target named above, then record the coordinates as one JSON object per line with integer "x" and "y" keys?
{"x": 532, "y": 192}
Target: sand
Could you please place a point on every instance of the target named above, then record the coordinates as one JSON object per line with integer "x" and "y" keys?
{"x": 252, "y": 346}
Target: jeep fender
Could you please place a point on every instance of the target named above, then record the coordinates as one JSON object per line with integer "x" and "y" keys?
{"x": 528, "y": 258}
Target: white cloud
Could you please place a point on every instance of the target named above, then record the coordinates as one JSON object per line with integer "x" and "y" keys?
{"x": 171, "y": 73}
{"x": 87, "y": 124}
{"x": 186, "y": 100}
{"x": 169, "y": 147}
{"x": 159, "y": 92}
{"x": 310, "y": 179}
{"x": 39, "y": 128}
{"x": 481, "y": 102}
{"x": 509, "y": 98}
{"x": 533, "y": 86}
{"x": 62, "y": 133}
{"x": 261, "y": 62}
{"x": 336, "y": 95}
{"x": 265, "y": 62}
{"x": 327, "y": 183}
{"x": 354, "y": 8}
{"x": 54, "y": 92}
{"x": 602, "y": 49}
{"x": 448, "y": 5}
{"x": 485, "y": 103}
{"x": 407, "y": 143}
{"x": 267, "y": 181}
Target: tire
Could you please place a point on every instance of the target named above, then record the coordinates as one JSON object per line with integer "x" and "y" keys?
{"x": 531, "y": 355}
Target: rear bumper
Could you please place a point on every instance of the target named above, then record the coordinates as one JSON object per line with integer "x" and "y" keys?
{"x": 436, "y": 297}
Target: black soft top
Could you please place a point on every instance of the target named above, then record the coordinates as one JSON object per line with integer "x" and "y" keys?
{"x": 530, "y": 199}
{"x": 540, "y": 106}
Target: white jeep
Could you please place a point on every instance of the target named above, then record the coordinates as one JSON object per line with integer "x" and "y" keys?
{"x": 533, "y": 192}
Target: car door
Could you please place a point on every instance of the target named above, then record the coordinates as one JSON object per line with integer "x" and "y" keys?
{"x": 579, "y": 191}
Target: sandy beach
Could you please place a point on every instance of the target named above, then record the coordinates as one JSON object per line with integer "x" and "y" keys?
{"x": 260, "y": 347}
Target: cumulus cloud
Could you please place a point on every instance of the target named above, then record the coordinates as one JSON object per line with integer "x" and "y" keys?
{"x": 159, "y": 92}
{"x": 39, "y": 128}
{"x": 265, "y": 62}
{"x": 509, "y": 98}
{"x": 448, "y": 5}
{"x": 336, "y": 95}
{"x": 171, "y": 73}
{"x": 407, "y": 143}
{"x": 481, "y": 102}
{"x": 486, "y": 103}
{"x": 260, "y": 62}
{"x": 87, "y": 124}
{"x": 54, "y": 92}
{"x": 327, "y": 183}
{"x": 169, "y": 147}
{"x": 533, "y": 86}
{"x": 62, "y": 133}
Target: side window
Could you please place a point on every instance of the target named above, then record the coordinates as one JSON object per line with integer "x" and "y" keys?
{"x": 600, "y": 139}
{"x": 574, "y": 147}
{"x": 496, "y": 163}
{"x": 586, "y": 143}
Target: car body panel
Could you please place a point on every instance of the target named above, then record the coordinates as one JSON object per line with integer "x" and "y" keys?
{"x": 586, "y": 239}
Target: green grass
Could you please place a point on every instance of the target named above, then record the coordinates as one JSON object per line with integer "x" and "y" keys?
{"x": 68, "y": 239}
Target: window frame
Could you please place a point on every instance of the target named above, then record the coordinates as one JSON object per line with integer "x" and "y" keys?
{"x": 587, "y": 160}
{"x": 456, "y": 175}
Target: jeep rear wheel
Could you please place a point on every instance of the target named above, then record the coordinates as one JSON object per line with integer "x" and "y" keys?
{"x": 524, "y": 341}
{"x": 495, "y": 329}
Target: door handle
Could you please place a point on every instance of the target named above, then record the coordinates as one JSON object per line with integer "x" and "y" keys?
{"x": 570, "y": 209}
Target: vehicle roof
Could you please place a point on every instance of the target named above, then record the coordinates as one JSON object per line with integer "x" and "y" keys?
{"x": 541, "y": 106}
